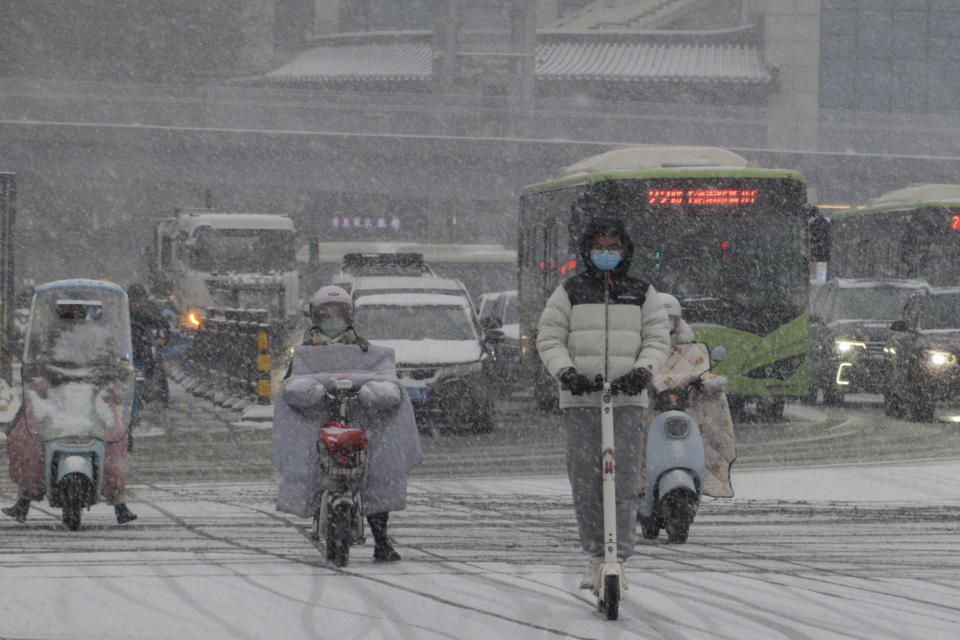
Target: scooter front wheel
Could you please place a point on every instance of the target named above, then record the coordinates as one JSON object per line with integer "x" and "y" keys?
{"x": 679, "y": 510}
{"x": 611, "y": 597}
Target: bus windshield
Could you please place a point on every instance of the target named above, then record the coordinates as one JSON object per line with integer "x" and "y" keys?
{"x": 243, "y": 250}
{"x": 727, "y": 267}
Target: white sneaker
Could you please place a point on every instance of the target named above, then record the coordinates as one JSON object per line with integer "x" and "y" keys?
{"x": 592, "y": 577}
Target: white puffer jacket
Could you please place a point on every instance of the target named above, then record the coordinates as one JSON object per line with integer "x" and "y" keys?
{"x": 571, "y": 332}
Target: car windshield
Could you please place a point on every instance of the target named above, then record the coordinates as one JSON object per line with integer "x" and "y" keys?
{"x": 940, "y": 312}
{"x": 873, "y": 303}
{"x": 415, "y": 322}
{"x": 243, "y": 250}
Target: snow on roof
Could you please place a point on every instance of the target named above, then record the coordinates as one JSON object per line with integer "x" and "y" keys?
{"x": 410, "y": 283}
{"x": 641, "y": 158}
{"x": 80, "y": 282}
{"x": 868, "y": 283}
{"x": 413, "y": 299}
{"x": 191, "y": 220}
{"x": 432, "y": 253}
{"x": 919, "y": 193}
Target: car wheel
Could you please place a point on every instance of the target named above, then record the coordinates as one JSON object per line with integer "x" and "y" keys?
{"x": 921, "y": 409}
{"x": 892, "y": 407}
{"x": 770, "y": 408}
{"x": 833, "y": 397}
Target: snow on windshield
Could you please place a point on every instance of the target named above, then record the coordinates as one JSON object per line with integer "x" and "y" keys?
{"x": 880, "y": 303}
{"x": 940, "y": 312}
{"x": 419, "y": 322}
{"x": 243, "y": 250}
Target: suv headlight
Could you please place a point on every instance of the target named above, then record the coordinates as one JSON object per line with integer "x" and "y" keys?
{"x": 846, "y": 346}
{"x": 938, "y": 358}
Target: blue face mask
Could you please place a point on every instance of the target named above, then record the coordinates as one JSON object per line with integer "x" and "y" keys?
{"x": 605, "y": 260}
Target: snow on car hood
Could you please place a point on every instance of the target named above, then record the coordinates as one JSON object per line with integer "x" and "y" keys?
{"x": 869, "y": 330}
{"x": 432, "y": 351}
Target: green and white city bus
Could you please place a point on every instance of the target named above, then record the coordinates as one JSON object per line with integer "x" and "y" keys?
{"x": 909, "y": 233}
{"x": 727, "y": 238}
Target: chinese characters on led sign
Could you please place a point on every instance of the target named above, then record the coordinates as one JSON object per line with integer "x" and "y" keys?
{"x": 702, "y": 197}
{"x": 344, "y": 222}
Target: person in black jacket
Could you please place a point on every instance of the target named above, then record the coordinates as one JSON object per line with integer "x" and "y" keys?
{"x": 148, "y": 330}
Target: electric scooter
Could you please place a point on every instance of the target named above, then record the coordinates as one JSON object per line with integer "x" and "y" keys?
{"x": 675, "y": 461}
{"x": 342, "y": 447}
{"x": 609, "y": 587}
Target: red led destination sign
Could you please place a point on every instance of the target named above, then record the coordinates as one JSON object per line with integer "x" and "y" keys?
{"x": 955, "y": 221}
{"x": 701, "y": 197}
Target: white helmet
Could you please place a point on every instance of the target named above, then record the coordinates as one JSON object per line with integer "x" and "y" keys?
{"x": 330, "y": 294}
{"x": 671, "y": 304}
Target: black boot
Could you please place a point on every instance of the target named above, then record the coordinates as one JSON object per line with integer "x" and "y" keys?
{"x": 19, "y": 510}
{"x": 382, "y": 551}
{"x": 124, "y": 515}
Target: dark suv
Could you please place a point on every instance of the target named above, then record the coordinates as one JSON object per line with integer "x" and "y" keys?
{"x": 922, "y": 355}
{"x": 849, "y": 328}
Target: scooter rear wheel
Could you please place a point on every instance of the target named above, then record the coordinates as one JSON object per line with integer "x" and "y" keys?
{"x": 338, "y": 534}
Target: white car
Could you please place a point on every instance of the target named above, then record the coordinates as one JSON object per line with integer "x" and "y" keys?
{"x": 439, "y": 351}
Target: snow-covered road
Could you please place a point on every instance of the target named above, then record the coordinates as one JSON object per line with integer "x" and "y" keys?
{"x": 836, "y": 552}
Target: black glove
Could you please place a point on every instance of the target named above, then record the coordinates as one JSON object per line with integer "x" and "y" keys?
{"x": 576, "y": 383}
{"x": 633, "y": 382}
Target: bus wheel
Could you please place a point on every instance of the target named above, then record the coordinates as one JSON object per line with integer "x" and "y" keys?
{"x": 770, "y": 408}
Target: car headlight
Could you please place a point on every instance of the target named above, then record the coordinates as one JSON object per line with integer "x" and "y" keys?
{"x": 846, "y": 346}
{"x": 939, "y": 358}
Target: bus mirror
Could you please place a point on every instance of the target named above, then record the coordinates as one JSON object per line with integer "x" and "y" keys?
{"x": 819, "y": 238}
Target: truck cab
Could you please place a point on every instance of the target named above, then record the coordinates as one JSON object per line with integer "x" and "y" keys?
{"x": 207, "y": 259}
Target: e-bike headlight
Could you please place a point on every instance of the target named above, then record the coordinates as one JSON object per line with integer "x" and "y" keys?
{"x": 677, "y": 427}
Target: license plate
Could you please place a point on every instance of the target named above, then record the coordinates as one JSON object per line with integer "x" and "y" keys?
{"x": 417, "y": 394}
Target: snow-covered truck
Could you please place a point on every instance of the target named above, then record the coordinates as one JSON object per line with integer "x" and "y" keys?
{"x": 213, "y": 260}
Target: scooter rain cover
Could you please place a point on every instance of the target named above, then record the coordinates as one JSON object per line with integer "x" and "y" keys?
{"x": 301, "y": 405}
{"x": 77, "y": 368}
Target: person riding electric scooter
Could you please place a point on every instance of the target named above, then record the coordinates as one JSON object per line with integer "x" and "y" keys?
{"x": 333, "y": 349}
{"x": 708, "y": 406}
{"x": 69, "y": 442}
{"x": 688, "y": 444}
{"x": 603, "y": 320}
